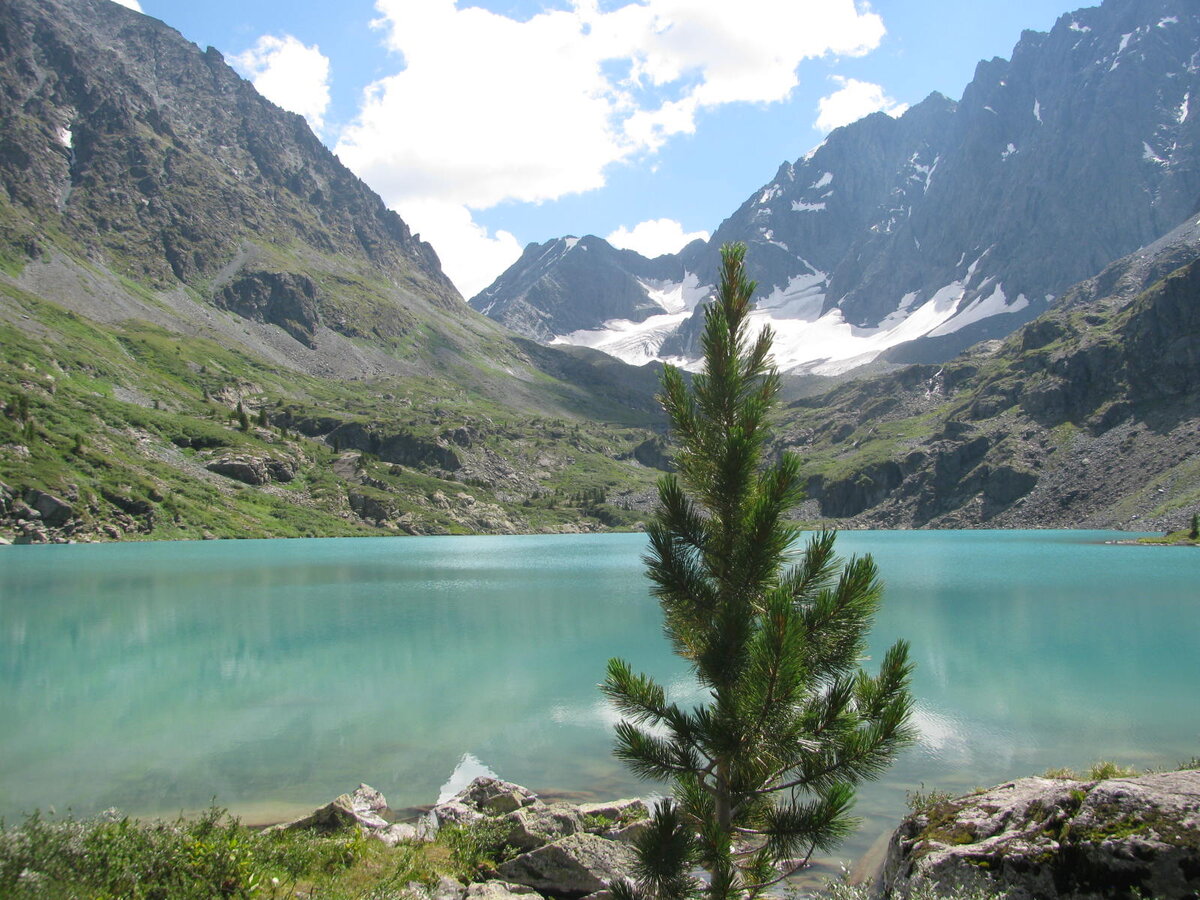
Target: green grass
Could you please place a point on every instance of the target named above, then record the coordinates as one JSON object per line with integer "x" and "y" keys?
{"x": 92, "y": 412}
{"x": 112, "y": 857}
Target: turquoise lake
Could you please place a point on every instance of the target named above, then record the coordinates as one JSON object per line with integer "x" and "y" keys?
{"x": 273, "y": 675}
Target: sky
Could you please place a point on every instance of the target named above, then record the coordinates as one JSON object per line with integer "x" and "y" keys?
{"x": 491, "y": 124}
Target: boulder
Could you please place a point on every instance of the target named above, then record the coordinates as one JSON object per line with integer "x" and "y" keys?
{"x": 55, "y": 511}
{"x": 396, "y": 833}
{"x": 495, "y": 797}
{"x": 499, "y": 890}
{"x": 364, "y": 808}
{"x": 246, "y": 469}
{"x": 31, "y": 533}
{"x": 282, "y": 470}
{"x": 1055, "y": 838}
{"x": 452, "y": 812}
{"x": 447, "y": 888}
{"x": 538, "y": 824}
{"x": 575, "y": 866}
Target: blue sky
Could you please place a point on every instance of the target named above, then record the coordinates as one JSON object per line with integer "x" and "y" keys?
{"x": 488, "y": 124}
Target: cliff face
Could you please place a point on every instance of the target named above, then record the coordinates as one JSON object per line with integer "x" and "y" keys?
{"x": 122, "y": 138}
{"x": 209, "y": 326}
{"x": 1087, "y": 416}
{"x": 914, "y": 237}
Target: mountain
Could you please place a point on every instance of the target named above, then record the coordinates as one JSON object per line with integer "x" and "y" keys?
{"x": 1088, "y": 416}
{"x": 907, "y": 239}
{"x": 209, "y": 325}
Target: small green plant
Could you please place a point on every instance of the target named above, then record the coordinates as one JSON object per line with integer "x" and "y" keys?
{"x": 1098, "y": 771}
{"x": 841, "y": 889}
{"x": 922, "y": 801}
{"x": 1194, "y": 531}
{"x": 1105, "y": 769}
{"x": 477, "y": 847}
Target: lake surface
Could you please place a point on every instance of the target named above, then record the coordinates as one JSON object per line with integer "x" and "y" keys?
{"x": 273, "y": 675}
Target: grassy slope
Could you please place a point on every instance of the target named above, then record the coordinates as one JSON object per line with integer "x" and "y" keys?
{"x": 121, "y": 420}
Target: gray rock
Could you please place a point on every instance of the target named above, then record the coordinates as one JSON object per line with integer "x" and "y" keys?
{"x": 495, "y": 797}
{"x": 616, "y": 811}
{"x": 1048, "y": 839}
{"x": 627, "y": 834}
{"x": 282, "y": 470}
{"x": 54, "y": 511}
{"x": 452, "y": 812}
{"x": 396, "y": 834}
{"x": 499, "y": 890}
{"x": 246, "y": 469}
{"x": 31, "y": 533}
{"x": 540, "y": 824}
{"x": 447, "y": 888}
{"x": 364, "y": 808}
{"x": 577, "y": 865}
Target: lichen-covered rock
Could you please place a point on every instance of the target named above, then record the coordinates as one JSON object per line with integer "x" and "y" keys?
{"x": 495, "y": 797}
{"x": 575, "y": 866}
{"x": 538, "y": 824}
{"x": 500, "y": 890}
{"x": 1052, "y": 838}
{"x": 452, "y": 812}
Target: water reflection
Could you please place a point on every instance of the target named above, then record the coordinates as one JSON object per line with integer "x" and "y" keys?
{"x": 275, "y": 675}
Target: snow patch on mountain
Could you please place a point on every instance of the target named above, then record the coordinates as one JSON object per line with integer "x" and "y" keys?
{"x": 802, "y": 298}
{"x": 676, "y": 296}
{"x": 636, "y": 343}
{"x": 993, "y": 304}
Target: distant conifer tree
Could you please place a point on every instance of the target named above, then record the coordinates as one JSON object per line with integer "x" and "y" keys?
{"x": 763, "y": 773}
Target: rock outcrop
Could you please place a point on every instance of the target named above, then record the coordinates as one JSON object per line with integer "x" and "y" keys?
{"x": 555, "y": 849}
{"x": 1057, "y": 839}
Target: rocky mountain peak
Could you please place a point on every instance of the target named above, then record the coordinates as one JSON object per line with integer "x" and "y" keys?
{"x": 146, "y": 152}
{"x": 912, "y": 237}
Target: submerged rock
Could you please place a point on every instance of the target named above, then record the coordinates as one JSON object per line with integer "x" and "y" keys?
{"x": 1053, "y": 838}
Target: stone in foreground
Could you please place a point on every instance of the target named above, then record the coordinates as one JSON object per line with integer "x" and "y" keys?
{"x": 1055, "y": 839}
{"x": 364, "y": 807}
{"x": 575, "y": 866}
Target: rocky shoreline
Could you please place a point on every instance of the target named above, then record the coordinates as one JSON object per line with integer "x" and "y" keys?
{"x": 1030, "y": 839}
{"x": 558, "y": 849}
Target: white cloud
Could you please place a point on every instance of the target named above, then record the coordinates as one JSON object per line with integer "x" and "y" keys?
{"x": 654, "y": 237}
{"x": 470, "y": 256}
{"x": 853, "y": 100}
{"x": 129, "y": 4}
{"x": 486, "y": 109}
{"x": 290, "y": 75}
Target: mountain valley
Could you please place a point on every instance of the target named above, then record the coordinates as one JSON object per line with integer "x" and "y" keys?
{"x": 211, "y": 328}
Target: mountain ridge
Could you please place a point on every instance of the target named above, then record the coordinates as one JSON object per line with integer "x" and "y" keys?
{"x": 908, "y": 239}
{"x": 211, "y": 326}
